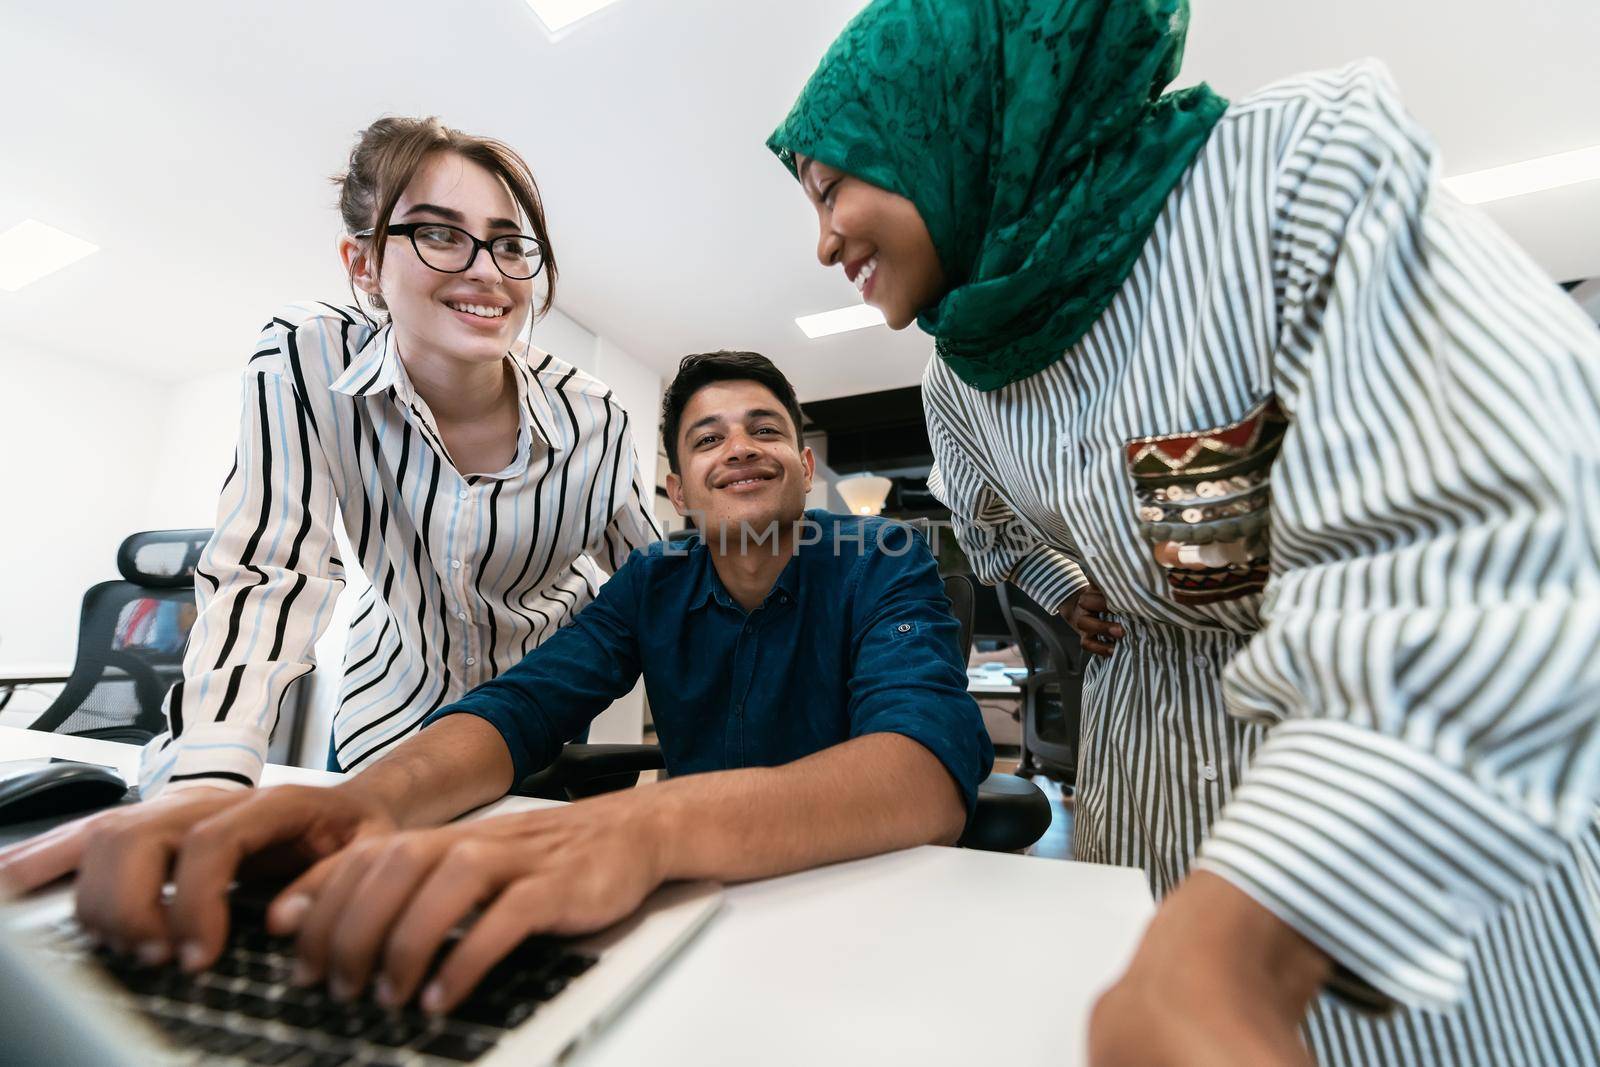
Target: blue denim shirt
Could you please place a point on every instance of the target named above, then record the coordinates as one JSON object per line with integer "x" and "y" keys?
{"x": 855, "y": 637}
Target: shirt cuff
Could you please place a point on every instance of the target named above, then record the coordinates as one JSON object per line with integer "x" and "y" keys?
{"x": 1381, "y": 855}
{"x": 1050, "y": 577}
{"x": 220, "y": 755}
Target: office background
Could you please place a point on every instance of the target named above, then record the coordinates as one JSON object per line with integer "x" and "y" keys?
{"x": 192, "y": 143}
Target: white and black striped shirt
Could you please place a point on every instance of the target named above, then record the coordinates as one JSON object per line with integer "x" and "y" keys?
{"x": 468, "y": 572}
{"x": 1395, "y": 746}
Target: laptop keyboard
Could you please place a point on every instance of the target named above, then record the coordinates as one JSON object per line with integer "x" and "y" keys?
{"x": 244, "y": 1010}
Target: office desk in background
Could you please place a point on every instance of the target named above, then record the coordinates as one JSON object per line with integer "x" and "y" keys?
{"x": 930, "y": 956}
{"x": 14, "y": 676}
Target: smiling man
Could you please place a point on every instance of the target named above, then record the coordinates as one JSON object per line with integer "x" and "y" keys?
{"x": 807, "y": 690}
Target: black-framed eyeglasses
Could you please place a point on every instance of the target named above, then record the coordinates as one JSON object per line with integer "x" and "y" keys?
{"x": 451, "y": 250}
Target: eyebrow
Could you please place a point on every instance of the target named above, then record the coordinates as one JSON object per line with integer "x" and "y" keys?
{"x": 455, "y": 216}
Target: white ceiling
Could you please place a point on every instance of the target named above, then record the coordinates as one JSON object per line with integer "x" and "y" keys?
{"x": 192, "y": 140}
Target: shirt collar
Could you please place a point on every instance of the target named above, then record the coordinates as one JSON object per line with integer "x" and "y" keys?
{"x": 375, "y": 368}
{"x": 378, "y": 366}
{"x": 709, "y": 587}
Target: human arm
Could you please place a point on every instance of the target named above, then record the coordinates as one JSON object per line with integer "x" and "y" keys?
{"x": 265, "y": 584}
{"x": 264, "y": 587}
{"x": 908, "y": 775}
{"x": 382, "y": 908}
{"x": 1426, "y": 658}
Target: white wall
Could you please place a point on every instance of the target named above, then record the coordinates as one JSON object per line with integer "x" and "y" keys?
{"x": 78, "y": 445}
{"x": 566, "y": 340}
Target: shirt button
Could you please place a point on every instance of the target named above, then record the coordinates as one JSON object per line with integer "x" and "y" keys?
{"x": 1201, "y": 661}
{"x": 470, "y": 661}
{"x": 904, "y": 627}
{"x": 462, "y": 495}
{"x": 1208, "y": 772}
{"x": 1063, "y": 440}
{"x": 455, "y": 564}
{"x": 461, "y": 615}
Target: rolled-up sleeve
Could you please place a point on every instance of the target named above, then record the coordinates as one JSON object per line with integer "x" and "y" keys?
{"x": 1428, "y": 654}
{"x": 559, "y": 687}
{"x": 907, "y": 676}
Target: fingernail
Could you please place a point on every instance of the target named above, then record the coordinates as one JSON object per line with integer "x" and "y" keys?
{"x": 291, "y": 911}
{"x": 384, "y": 991}
{"x": 433, "y": 998}
{"x": 152, "y": 953}
{"x": 191, "y": 956}
{"x": 341, "y": 988}
{"x": 303, "y": 974}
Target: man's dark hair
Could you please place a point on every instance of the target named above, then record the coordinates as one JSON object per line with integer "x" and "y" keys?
{"x": 704, "y": 368}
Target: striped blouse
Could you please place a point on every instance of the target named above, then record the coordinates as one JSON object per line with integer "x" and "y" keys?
{"x": 1379, "y": 712}
{"x": 468, "y": 572}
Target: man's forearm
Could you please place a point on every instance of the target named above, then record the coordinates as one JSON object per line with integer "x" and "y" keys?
{"x": 459, "y": 763}
{"x": 868, "y": 795}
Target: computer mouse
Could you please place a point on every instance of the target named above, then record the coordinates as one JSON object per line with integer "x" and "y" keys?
{"x": 41, "y": 789}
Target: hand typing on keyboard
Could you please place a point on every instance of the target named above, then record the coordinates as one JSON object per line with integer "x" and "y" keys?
{"x": 380, "y": 910}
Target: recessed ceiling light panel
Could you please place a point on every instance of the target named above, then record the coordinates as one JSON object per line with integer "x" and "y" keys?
{"x": 1529, "y": 176}
{"x": 557, "y": 15}
{"x": 855, "y": 317}
{"x": 30, "y": 250}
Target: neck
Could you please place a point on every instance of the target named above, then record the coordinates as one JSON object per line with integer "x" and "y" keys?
{"x": 748, "y": 572}
{"x": 455, "y": 390}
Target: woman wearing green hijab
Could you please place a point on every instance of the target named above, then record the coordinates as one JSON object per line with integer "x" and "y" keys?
{"x": 1326, "y": 444}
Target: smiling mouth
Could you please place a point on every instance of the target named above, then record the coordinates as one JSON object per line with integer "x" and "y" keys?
{"x": 748, "y": 482}
{"x": 482, "y": 311}
{"x": 865, "y": 274}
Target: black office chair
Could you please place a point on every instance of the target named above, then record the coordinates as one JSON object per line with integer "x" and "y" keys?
{"x": 131, "y": 637}
{"x": 1052, "y": 692}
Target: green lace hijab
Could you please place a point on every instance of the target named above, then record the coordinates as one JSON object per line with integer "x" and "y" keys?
{"x": 1033, "y": 137}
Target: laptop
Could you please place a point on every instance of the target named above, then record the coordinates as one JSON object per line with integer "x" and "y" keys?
{"x": 64, "y": 1001}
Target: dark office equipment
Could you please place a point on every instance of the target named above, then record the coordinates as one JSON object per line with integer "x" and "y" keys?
{"x": 245, "y": 1006}
{"x": 959, "y": 589}
{"x": 1052, "y": 692}
{"x": 131, "y": 636}
{"x": 44, "y": 789}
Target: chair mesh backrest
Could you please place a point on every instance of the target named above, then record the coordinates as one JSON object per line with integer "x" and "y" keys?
{"x": 1053, "y": 655}
{"x": 958, "y": 590}
{"x": 131, "y": 638}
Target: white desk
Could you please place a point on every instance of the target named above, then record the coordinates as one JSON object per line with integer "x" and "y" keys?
{"x": 993, "y": 683}
{"x": 928, "y": 956}
{"x": 34, "y": 673}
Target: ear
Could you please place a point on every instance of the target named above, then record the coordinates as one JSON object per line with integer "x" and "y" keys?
{"x": 675, "y": 494}
{"x": 358, "y": 264}
{"x": 808, "y": 459}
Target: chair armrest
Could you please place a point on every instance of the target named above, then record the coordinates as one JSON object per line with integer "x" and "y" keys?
{"x": 583, "y": 770}
{"x": 1012, "y": 813}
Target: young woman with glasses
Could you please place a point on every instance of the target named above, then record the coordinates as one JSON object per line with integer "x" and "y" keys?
{"x": 482, "y": 486}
